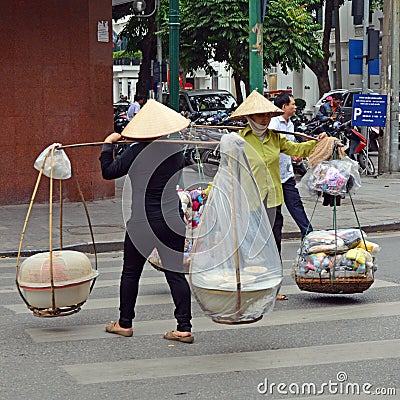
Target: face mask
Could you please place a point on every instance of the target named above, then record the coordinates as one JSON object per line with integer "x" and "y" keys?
{"x": 257, "y": 129}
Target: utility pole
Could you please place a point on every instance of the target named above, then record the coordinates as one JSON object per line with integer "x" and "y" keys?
{"x": 386, "y": 28}
{"x": 364, "y": 129}
{"x": 256, "y": 46}
{"x": 159, "y": 57}
{"x": 174, "y": 26}
{"x": 394, "y": 104}
{"x": 338, "y": 49}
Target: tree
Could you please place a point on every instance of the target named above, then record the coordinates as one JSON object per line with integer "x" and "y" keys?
{"x": 140, "y": 33}
{"x": 220, "y": 32}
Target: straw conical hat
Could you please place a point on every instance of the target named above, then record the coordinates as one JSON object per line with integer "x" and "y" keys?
{"x": 153, "y": 121}
{"x": 256, "y": 103}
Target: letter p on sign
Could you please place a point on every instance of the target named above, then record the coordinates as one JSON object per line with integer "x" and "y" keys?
{"x": 357, "y": 112}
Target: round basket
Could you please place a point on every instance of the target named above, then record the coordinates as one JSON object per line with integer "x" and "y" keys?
{"x": 338, "y": 286}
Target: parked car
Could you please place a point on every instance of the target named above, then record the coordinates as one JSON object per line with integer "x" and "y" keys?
{"x": 347, "y": 103}
{"x": 203, "y": 102}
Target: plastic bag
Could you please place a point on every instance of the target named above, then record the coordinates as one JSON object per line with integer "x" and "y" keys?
{"x": 323, "y": 252}
{"x": 61, "y": 164}
{"x": 335, "y": 177}
{"x": 236, "y": 270}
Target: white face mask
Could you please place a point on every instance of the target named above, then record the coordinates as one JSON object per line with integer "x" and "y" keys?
{"x": 258, "y": 129}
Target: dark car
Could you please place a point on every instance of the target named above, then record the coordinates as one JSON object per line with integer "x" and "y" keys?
{"x": 202, "y": 102}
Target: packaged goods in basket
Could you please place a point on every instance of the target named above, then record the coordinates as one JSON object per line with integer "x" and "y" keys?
{"x": 235, "y": 270}
{"x": 342, "y": 254}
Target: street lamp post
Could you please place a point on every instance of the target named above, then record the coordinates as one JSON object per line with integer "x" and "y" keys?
{"x": 174, "y": 26}
{"x": 256, "y": 46}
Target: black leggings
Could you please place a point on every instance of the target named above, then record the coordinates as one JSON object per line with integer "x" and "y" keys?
{"x": 139, "y": 243}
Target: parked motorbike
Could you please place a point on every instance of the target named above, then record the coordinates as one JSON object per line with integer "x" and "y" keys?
{"x": 357, "y": 149}
{"x": 355, "y": 144}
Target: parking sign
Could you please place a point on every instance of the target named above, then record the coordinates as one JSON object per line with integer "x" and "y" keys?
{"x": 369, "y": 110}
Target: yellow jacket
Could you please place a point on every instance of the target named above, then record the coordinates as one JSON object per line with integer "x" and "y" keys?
{"x": 263, "y": 157}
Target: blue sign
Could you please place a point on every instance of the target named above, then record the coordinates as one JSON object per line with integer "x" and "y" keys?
{"x": 369, "y": 110}
{"x": 356, "y": 59}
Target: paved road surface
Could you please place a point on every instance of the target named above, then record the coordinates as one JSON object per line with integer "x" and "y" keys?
{"x": 309, "y": 339}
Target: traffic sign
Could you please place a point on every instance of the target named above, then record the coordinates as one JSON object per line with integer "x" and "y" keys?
{"x": 369, "y": 110}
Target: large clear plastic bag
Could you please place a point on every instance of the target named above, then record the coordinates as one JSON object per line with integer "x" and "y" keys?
{"x": 335, "y": 177}
{"x": 235, "y": 270}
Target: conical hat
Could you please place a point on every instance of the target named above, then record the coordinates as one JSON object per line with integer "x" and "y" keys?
{"x": 153, "y": 121}
{"x": 256, "y": 103}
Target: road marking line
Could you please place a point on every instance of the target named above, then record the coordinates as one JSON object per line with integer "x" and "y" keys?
{"x": 204, "y": 324}
{"x": 131, "y": 370}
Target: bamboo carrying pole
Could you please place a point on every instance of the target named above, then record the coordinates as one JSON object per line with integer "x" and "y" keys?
{"x": 183, "y": 141}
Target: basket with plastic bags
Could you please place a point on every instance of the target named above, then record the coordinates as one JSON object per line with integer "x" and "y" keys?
{"x": 340, "y": 261}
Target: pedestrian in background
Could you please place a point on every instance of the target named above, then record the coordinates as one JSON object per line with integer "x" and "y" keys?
{"x": 331, "y": 110}
{"x": 156, "y": 219}
{"x": 134, "y": 108}
{"x": 291, "y": 195}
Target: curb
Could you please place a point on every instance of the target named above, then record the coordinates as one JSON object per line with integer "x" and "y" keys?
{"x": 106, "y": 247}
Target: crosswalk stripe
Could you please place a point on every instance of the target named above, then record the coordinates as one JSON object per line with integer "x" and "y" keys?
{"x": 204, "y": 324}
{"x": 152, "y": 299}
{"x": 131, "y": 370}
{"x": 111, "y": 302}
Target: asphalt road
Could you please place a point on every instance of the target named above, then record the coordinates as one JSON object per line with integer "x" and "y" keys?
{"x": 311, "y": 340}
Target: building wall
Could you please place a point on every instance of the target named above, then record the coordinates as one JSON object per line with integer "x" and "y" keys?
{"x": 56, "y": 86}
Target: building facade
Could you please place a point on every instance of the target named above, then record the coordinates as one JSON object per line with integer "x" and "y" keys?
{"x": 55, "y": 79}
{"x": 304, "y": 83}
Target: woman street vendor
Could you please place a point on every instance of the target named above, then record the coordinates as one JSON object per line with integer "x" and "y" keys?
{"x": 263, "y": 147}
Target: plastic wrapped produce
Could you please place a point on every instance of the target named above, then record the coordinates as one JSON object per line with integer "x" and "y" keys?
{"x": 329, "y": 262}
{"x": 236, "y": 270}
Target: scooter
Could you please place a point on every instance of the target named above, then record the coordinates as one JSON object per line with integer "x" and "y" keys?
{"x": 357, "y": 148}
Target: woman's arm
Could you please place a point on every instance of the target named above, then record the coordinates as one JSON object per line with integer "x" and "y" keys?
{"x": 114, "y": 168}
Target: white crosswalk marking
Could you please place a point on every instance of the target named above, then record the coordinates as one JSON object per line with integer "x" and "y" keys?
{"x": 276, "y": 318}
{"x": 210, "y": 364}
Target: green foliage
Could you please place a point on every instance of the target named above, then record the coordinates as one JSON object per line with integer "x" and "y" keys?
{"x": 219, "y": 30}
{"x": 291, "y": 35}
{"x": 127, "y": 54}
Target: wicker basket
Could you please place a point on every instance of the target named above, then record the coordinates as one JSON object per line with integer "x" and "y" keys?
{"x": 338, "y": 286}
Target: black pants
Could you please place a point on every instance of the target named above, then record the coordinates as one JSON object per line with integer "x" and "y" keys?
{"x": 139, "y": 242}
{"x": 295, "y": 206}
{"x": 275, "y": 218}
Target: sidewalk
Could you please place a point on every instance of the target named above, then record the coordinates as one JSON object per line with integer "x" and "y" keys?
{"x": 376, "y": 203}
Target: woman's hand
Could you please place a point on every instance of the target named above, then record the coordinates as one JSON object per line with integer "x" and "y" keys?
{"x": 321, "y": 136}
{"x": 112, "y": 138}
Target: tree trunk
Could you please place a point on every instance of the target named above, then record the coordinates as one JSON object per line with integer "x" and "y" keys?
{"x": 148, "y": 47}
{"x": 320, "y": 67}
{"x": 238, "y": 80}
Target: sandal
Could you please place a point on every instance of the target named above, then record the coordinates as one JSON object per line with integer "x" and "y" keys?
{"x": 282, "y": 297}
{"x": 111, "y": 327}
{"x": 171, "y": 335}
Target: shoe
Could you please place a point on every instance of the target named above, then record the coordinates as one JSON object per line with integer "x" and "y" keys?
{"x": 282, "y": 297}
{"x": 171, "y": 335}
{"x": 111, "y": 327}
